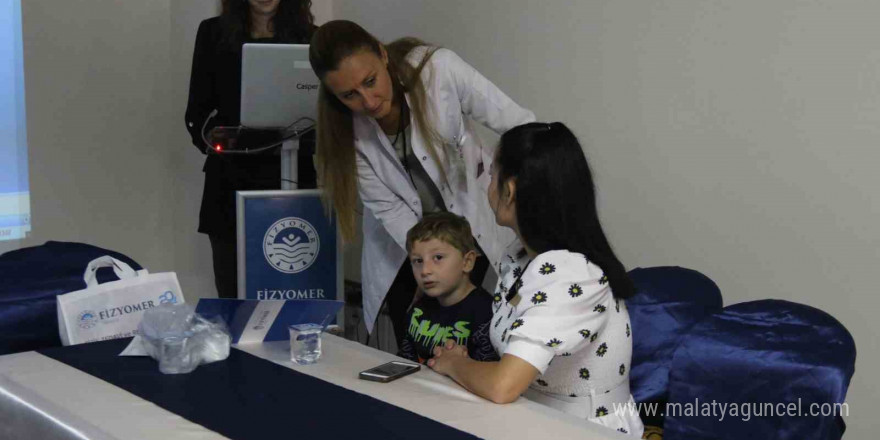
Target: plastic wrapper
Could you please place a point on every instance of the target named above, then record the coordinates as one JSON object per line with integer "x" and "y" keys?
{"x": 181, "y": 339}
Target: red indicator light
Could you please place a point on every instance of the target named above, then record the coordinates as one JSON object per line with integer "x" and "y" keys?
{"x": 218, "y": 147}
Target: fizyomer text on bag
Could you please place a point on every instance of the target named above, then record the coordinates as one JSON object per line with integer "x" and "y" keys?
{"x": 124, "y": 310}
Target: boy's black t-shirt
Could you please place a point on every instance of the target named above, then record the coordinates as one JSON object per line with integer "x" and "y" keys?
{"x": 466, "y": 323}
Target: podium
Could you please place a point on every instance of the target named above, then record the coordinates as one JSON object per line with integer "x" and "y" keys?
{"x": 289, "y": 163}
{"x": 238, "y": 140}
{"x": 286, "y": 246}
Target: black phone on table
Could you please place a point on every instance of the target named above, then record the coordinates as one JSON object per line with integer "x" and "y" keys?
{"x": 390, "y": 371}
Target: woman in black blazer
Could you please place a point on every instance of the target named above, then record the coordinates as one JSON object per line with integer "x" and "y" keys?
{"x": 215, "y": 84}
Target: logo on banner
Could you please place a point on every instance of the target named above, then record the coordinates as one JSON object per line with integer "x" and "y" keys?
{"x": 261, "y": 323}
{"x": 291, "y": 245}
{"x": 168, "y": 298}
{"x": 87, "y": 319}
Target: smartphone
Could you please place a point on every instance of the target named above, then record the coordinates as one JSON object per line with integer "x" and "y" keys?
{"x": 390, "y": 371}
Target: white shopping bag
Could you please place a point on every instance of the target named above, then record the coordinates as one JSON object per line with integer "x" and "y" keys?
{"x": 113, "y": 310}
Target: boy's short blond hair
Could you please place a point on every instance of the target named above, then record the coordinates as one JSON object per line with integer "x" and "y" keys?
{"x": 444, "y": 226}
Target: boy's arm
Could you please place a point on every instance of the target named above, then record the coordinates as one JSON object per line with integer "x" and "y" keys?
{"x": 407, "y": 349}
{"x": 480, "y": 346}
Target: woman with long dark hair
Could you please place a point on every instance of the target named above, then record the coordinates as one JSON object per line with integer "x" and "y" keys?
{"x": 394, "y": 127}
{"x": 215, "y": 84}
{"x": 560, "y": 296}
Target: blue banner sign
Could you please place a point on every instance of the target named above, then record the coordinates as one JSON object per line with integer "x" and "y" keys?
{"x": 287, "y": 247}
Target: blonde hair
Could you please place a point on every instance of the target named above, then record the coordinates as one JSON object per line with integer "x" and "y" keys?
{"x": 335, "y": 152}
{"x": 444, "y": 226}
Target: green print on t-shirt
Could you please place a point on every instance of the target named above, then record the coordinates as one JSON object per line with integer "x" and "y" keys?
{"x": 424, "y": 331}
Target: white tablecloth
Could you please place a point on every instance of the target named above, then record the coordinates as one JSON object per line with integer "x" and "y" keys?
{"x": 41, "y": 398}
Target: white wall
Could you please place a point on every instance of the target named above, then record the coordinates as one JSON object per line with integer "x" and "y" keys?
{"x": 97, "y": 96}
{"x": 111, "y": 162}
{"x": 736, "y": 138}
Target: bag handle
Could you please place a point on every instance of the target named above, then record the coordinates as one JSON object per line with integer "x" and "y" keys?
{"x": 121, "y": 269}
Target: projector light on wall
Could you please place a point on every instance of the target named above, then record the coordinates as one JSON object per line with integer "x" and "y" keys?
{"x": 15, "y": 206}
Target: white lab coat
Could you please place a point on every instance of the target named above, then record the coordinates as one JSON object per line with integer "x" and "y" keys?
{"x": 455, "y": 91}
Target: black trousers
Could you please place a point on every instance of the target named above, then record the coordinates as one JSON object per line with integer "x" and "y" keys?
{"x": 403, "y": 289}
{"x": 225, "y": 266}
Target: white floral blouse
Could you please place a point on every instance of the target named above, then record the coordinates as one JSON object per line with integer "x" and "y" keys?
{"x": 563, "y": 319}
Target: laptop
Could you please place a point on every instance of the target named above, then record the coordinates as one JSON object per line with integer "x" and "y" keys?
{"x": 278, "y": 86}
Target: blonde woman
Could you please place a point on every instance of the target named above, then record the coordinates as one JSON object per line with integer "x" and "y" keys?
{"x": 393, "y": 127}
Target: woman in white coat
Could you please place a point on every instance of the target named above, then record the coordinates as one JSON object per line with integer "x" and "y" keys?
{"x": 393, "y": 127}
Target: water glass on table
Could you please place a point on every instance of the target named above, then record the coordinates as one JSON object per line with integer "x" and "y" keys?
{"x": 175, "y": 354}
{"x": 305, "y": 343}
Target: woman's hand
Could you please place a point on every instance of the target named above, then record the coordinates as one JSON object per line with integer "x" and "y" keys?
{"x": 501, "y": 382}
{"x": 446, "y": 355}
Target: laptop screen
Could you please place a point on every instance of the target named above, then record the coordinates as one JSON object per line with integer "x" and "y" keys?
{"x": 278, "y": 86}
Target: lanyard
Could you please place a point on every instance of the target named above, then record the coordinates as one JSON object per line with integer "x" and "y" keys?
{"x": 401, "y": 131}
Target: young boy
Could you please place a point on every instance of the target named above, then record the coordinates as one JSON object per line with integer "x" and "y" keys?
{"x": 448, "y": 306}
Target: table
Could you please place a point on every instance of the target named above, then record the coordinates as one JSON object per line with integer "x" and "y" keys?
{"x": 41, "y": 397}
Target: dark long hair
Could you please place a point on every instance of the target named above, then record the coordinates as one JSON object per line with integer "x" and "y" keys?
{"x": 334, "y": 153}
{"x": 293, "y": 22}
{"x": 556, "y": 197}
